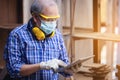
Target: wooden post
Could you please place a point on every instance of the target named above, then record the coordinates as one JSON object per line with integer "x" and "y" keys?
{"x": 111, "y": 24}
{"x": 96, "y": 27}
{"x": 118, "y": 73}
{"x": 72, "y": 13}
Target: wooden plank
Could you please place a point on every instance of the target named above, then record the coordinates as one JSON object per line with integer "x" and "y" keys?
{"x": 111, "y": 24}
{"x": 9, "y": 26}
{"x": 96, "y": 27}
{"x": 72, "y": 13}
{"x": 77, "y": 29}
{"x": 94, "y": 65}
{"x": 98, "y": 36}
{"x": 72, "y": 49}
{"x": 73, "y": 65}
{"x": 118, "y": 48}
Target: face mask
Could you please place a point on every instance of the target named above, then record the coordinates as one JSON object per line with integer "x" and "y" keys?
{"x": 48, "y": 27}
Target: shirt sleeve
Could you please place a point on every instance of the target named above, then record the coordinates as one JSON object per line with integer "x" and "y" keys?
{"x": 12, "y": 56}
{"x": 63, "y": 55}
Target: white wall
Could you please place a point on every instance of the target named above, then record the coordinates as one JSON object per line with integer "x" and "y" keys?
{"x": 83, "y": 13}
{"x": 26, "y": 10}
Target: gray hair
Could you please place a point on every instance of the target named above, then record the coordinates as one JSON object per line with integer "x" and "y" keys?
{"x": 38, "y": 5}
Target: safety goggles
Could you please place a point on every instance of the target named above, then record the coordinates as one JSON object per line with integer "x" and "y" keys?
{"x": 49, "y": 18}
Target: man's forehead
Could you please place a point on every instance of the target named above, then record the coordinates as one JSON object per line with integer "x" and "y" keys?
{"x": 50, "y": 11}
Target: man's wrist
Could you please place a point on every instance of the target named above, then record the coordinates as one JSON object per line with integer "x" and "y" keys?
{"x": 44, "y": 65}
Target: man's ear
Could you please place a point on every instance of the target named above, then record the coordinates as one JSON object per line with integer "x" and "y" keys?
{"x": 34, "y": 18}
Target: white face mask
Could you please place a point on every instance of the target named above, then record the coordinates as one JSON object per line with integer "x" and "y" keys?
{"x": 48, "y": 26}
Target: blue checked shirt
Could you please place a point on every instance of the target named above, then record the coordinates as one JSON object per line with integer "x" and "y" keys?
{"x": 23, "y": 48}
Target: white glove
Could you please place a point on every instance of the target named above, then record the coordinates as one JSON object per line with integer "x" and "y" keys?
{"x": 52, "y": 64}
{"x": 55, "y": 64}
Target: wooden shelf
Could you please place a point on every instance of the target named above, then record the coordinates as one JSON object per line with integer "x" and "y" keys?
{"x": 9, "y": 26}
{"x": 98, "y": 36}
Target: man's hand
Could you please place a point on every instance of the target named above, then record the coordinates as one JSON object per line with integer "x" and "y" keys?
{"x": 55, "y": 64}
{"x": 52, "y": 64}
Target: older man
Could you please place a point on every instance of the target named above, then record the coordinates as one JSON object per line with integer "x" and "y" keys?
{"x": 34, "y": 51}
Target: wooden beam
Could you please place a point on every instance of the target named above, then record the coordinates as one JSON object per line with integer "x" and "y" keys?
{"x": 72, "y": 14}
{"x": 96, "y": 27}
{"x": 72, "y": 41}
{"x": 98, "y": 36}
{"x": 111, "y": 24}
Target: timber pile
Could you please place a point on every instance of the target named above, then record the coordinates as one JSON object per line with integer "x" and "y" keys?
{"x": 96, "y": 71}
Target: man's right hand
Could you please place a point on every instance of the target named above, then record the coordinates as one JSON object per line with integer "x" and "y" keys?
{"x": 52, "y": 64}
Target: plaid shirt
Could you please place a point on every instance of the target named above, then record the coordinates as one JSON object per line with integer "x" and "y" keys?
{"x": 23, "y": 48}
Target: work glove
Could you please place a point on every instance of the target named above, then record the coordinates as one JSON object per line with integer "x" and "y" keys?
{"x": 52, "y": 64}
{"x": 55, "y": 64}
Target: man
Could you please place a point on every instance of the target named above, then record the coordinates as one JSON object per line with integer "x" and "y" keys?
{"x": 35, "y": 51}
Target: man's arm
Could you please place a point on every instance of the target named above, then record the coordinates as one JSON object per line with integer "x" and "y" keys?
{"x": 28, "y": 69}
